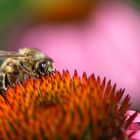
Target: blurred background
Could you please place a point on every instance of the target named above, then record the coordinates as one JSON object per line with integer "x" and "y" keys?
{"x": 95, "y": 36}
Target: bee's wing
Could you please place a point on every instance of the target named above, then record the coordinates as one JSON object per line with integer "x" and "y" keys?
{"x": 5, "y": 54}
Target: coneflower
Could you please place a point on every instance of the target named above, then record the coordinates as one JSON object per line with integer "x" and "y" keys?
{"x": 61, "y": 107}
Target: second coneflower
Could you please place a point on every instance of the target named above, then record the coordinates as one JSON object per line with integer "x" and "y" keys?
{"x": 64, "y": 107}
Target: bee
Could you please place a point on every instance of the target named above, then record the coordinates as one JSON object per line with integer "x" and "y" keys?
{"x": 22, "y": 64}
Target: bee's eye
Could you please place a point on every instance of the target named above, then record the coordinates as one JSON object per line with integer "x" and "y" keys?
{"x": 42, "y": 67}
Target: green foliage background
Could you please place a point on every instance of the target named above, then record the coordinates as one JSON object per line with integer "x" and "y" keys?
{"x": 137, "y": 2}
{"x": 10, "y": 10}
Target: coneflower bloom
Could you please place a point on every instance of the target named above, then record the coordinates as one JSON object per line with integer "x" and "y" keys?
{"x": 64, "y": 107}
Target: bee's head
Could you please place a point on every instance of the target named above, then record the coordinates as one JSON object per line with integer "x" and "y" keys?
{"x": 45, "y": 66}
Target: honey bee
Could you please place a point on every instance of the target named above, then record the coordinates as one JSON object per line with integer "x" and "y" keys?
{"x": 21, "y": 64}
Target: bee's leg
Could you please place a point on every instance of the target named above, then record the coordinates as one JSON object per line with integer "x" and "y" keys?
{"x": 4, "y": 97}
{"x": 3, "y": 84}
{"x": 2, "y": 81}
{"x": 51, "y": 73}
{"x": 29, "y": 72}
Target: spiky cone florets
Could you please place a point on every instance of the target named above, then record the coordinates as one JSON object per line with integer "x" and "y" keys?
{"x": 63, "y": 107}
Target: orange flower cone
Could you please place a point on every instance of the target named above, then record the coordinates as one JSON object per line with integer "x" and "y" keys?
{"x": 64, "y": 107}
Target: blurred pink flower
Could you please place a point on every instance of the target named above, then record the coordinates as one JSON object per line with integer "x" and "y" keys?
{"x": 107, "y": 44}
{"x": 134, "y": 127}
